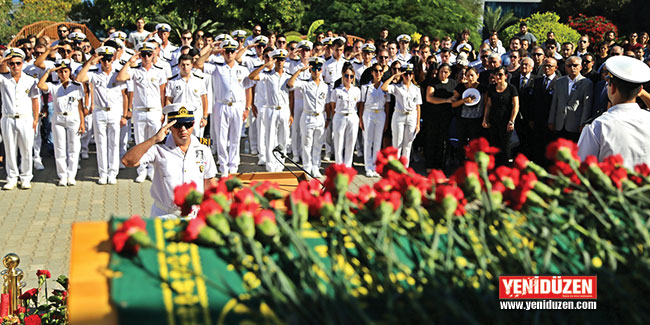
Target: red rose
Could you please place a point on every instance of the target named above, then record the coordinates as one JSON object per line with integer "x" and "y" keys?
{"x": 44, "y": 273}
{"x": 29, "y": 294}
{"x": 33, "y": 320}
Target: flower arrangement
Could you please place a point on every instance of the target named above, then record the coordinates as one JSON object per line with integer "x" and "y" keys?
{"x": 35, "y": 311}
{"x": 413, "y": 248}
{"x": 595, "y": 27}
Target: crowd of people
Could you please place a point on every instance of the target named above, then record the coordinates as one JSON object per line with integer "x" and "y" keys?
{"x": 326, "y": 100}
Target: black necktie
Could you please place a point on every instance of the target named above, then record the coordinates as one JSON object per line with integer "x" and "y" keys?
{"x": 546, "y": 82}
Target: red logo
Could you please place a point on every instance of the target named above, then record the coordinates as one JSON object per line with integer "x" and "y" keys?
{"x": 547, "y": 287}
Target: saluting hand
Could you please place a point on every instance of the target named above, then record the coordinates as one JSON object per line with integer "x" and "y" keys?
{"x": 162, "y": 133}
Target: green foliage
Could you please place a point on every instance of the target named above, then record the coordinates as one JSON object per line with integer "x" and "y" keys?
{"x": 364, "y": 18}
{"x": 311, "y": 33}
{"x": 293, "y": 36}
{"x": 496, "y": 20}
{"x": 15, "y": 16}
{"x": 539, "y": 24}
{"x": 179, "y": 24}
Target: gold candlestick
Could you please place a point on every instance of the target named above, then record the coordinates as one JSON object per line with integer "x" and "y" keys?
{"x": 11, "y": 280}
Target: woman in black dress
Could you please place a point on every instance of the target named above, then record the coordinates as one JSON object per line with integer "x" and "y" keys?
{"x": 471, "y": 116}
{"x": 501, "y": 108}
{"x": 440, "y": 94}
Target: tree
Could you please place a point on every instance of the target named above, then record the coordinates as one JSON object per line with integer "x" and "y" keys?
{"x": 496, "y": 20}
{"x": 539, "y": 24}
{"x": 365, "y": 17}
{"x": 17, "y": 15}
{"x": 566, "y": 8}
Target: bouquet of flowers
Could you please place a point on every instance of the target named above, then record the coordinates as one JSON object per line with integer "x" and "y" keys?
{"x": 414, "y": 248}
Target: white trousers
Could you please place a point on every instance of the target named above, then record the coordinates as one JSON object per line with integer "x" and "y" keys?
{"x": 67, "y": 145}
{"x": 145, "y": 125}
{"x": 229, "y": 121}
{"x": 198, "y": 130}
{"x": 296, "y": 128}
{"x": 373, "y": 123}
{"x": 107, "y": 137}
{"x": 277, "y": 134}
{"x": 18, "y": 136}
{"x": 403, "y": 127}
{"x": 125, "y": 134}
{"x": 252, "y": 132}
{"x": 38, "y": 142}
{"x": 262, "y": 140}
{"x": 344, "y": 133}
{"x": 312, "y": 129}
{"x": 86, "y": 137}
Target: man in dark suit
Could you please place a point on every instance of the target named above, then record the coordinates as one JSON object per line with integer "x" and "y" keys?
{"x": 524, "y": 81}
{"x": 543, "y": 89}
{"x": 572, "y": 101}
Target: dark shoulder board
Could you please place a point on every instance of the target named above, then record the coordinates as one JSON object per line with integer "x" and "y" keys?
{"x": 205, "y": 141}
{"x": 173, "y": 77}
{"x": 129, "y": 51}
{"x": 6, "y": 73}
{"x": 257, "y": 66}
{"x": 174, "y": 66}
{"x": 157, "y": 67}
{"x": 75, "y": 83}
{"x": 123, "y": 62}
{"x": 219, "y": 63}
{"x": 251, "y": 54}
{"x": 139, "y": 65}
{"x": 196, "y": 75}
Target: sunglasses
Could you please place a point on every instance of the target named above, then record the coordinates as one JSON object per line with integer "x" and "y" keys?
{"x": 377, "y": 70}
{"x": 14, "y": 64}
{"x": 538, "y": 54}
{"x": 583, "y": 41}
{"x": 65, "y": 51}
{"x": 318, "y": 68}
{"x": 105, "y": 59}
{"x": 484, "y": 56}
{"x": 349, "y": 76}
{"x": 186, "y": 38}
{"x": 514, "y": 57}
{"x": 586, "y": 61}
{"x": 257, "y": 30}
{"x": 27, "y": 49}
{"x": 282, "y": 42}
{"x": 500, "y": 75}
{"x": 146, "y": 54}
{"x": 187, "y": 125}
{"x": 572, "y": 65}
{"x": 230, "y": 51}
{"x": 292, "y": 49}
{"x": 383, "y": 56}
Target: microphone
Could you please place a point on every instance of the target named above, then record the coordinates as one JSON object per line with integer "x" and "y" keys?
{"x": 279, "y": 150}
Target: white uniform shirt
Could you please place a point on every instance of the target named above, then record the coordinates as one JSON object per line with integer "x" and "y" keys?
{"x": 403, "y": 58}
{"x": 304, "y": 76}
{"x": 332, "y": 70}
{"x": 277, "y": 93}
{"x": 406, "y": 99}
{"x": 373, "y": 98}
{"x": 146, "y": 86}
{"x": 252, "y": 62}
{"x": 174, "y": 168}
{"x": 345, "y": 100}
{"x": 227, "y": 82}
{"x": 107, "y": 90}
{"x": 66, "y": 99}
{"x": 314, "y": 96}
{"x": 624, "y": 129}
{"x": 136, "y": 38}
{"x": 166, "y": 52}
{"x": 359, "y": 68}
{"x": 17, "y": 96}
{"x": 166, "y": 67}
{"x": 190, "y": 91}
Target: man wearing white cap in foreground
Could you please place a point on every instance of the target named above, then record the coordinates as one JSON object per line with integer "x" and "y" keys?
{"x": 19, "y": 117}
{"x": 180, "y": 159}
{"x": 625, "y": 128}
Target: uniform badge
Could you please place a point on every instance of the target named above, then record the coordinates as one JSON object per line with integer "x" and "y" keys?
{"x": 112, "y": 84}
{"x": 26, "y": 91}
{"x": 196, "y": 91}
{"x": 201, "y": 168}
{"x": 153, "y": 79}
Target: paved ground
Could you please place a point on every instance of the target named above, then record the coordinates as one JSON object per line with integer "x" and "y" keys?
{"x": 36, "y": 223}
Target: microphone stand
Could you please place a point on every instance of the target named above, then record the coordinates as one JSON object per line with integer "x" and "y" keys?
{"x": 277, "y": 150}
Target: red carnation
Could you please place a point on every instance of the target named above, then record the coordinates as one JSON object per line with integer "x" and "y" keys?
{"x": 130, "y": 236}
{"x": 437, "y": 176}
{"x": 44, "y": 273}
{"x": 562, "y": 150}
{"x": 33, "y": 320}
{"x": 339, "y": 178}
{"x": 451, "y": 198}
{"x": 207, "y": 208}
{"x": 393, "y": 198}
{"x": 29, "y": 294}
{"x": 388, "y": 159}
{"x": 186, "y": 196}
